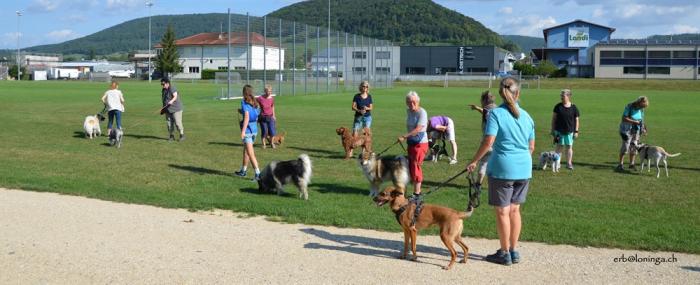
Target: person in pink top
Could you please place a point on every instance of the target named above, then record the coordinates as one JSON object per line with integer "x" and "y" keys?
{"x": 267, "y": 118}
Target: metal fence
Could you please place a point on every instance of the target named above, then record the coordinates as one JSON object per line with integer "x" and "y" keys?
{"x": 296, "y": 58}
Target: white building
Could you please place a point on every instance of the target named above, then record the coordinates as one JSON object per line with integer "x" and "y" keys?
{"x": 209, "y": 51}
{"x": 375, "y": 63}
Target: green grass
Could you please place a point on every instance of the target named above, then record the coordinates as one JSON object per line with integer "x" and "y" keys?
{"x": 43, "y": 148}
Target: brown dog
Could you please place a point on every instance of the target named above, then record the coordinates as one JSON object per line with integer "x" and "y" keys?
{"x": 276, "y": 140}
{"x": 351, "y": 142}
{"x": 449, "y": 221}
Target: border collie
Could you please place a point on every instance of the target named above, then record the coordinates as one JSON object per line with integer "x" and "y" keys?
{"x": 278, "y": 173}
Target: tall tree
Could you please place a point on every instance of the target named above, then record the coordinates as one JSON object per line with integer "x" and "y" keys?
{"x": 168, "y": 61}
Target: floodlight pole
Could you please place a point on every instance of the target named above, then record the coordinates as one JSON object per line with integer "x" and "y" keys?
{"x": 328, "y": 55}
{"x": 19, "y": 61}
{"x": 149, "y": 4}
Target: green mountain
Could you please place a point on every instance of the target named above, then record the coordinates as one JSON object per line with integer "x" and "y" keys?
{"x": 133, "y": 35}
{"x": 525, "y": 43}
{"x": 405, "y": 22}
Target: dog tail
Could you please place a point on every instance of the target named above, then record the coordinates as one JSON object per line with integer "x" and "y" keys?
{"x": 673, "y": 155}
{"x": 467, "y": 214}
{"x": 306, "y": 161}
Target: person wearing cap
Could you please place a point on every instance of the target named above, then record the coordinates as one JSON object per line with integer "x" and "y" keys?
{"x": 172, "y": 108}
{"x": 565, "y": 126}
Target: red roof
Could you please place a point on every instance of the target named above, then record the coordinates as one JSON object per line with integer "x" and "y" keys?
{"x": 237, "y": 38}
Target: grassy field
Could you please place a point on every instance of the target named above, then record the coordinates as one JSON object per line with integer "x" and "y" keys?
{"x": 43, "y": 148}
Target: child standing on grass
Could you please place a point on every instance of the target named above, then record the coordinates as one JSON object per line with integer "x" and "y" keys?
{"x": 249, "y": 130}
{"x": 114, "y": 103}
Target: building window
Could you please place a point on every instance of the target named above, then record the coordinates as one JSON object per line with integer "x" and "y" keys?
{"x": 415, "y": 70}
{"x": 222, "y": 68}
{"x": 443, "y": 70}
{"x": 634, "y": 54}
{"x": 683, "y": 54}
{"x": 659, "y": 70}
{"x": 477, "y": 69}
{"x": 610, "y": 54}
{"x": 359, "y": 54}
{"x": 382, "y": 70}
{"x": 383, "y": 55}
{"x": 359, "y": 70}
{"x": 194, "y": 69}
{"x": 633, "y": 70}
{"x": 660, "y": 54}
{"x": 239, "y": 68}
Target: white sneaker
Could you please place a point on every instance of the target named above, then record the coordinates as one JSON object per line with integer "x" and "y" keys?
{"x": 453, "y": 161}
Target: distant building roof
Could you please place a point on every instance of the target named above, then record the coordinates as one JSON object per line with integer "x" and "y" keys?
{"x": 237, "y": 38}
{"x": 545, "y": 31}
{"x": 649, "y": 42}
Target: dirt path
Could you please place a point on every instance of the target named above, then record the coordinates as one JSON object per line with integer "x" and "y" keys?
{"x": 51, "y": 238}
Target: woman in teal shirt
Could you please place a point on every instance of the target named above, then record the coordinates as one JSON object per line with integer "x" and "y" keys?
{"x": 510, "y": 132}
{"x": 631, "y": 127}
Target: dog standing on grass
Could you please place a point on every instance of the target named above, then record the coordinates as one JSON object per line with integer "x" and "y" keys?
{"x": 449, "y": 221}
{"x": 386, "y": 168}
{"x": 657, "y": 153}
{"x": 351, "y": 142}
{"x": 275, "y": 140}
{"x": 550, "y": 158}
{"x": 91, "y": 125}
{"x": 278, "y": 173}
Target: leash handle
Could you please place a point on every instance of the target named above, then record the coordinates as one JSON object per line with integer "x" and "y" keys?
{"x": 474, "y": 198}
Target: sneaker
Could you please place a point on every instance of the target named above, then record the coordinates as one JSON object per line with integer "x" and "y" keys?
{"x": 171, "y": 138}
{"x": 416, "y": 198}
{"x": 570, "y": 167}
{"x": 619, "y": 168}
{"x": 182, "y": 138}
{"x": 500, "y": 257}
{"x": 514, "y": 256}
{"x": 241, "y": 173}
{"x": 257, "y": 177}
{"x": 633, "y": 167}
{"x": 453, "y": 161}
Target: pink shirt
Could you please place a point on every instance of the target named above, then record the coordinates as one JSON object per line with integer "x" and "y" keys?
{"x": 266, "y": 105}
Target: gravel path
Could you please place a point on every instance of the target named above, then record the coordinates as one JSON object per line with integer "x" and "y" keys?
{"x": 58, "y": 239}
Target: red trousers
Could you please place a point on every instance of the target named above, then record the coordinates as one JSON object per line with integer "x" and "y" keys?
{"x": 416, "y": 154}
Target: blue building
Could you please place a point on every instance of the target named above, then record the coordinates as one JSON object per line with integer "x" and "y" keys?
{"x": 569, "y": 45}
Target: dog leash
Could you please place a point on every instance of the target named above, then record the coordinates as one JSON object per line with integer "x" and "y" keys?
{"x": 474, "y": 198}
{"x": 445, "y": 182}
{"x": 392, "y": 145}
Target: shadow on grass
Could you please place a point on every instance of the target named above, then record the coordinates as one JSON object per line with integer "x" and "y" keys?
{"x": 339, "y": 189}
{"x": 319, "y": 153}
{"x": 256, "y": 191}
{"x": 78, "y": 134}
{"x": 376, "y": 247}
{"x": 200, "y": 170}
{"x": 691, "y": 268}
{"x": 227, "y": 143}
{"x": 145, "y": 137}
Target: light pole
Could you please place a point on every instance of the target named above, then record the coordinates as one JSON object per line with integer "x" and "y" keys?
{"x": 19, "y": 62}
{"x": 149, "y": 4}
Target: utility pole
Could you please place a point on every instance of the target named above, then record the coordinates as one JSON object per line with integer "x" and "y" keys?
{"x": 19, "y": 61}
{"x": 149, "y": 4}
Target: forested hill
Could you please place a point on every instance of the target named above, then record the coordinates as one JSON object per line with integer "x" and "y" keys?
{"x": 405, "y": 22}
{"x": 133, "y": 34}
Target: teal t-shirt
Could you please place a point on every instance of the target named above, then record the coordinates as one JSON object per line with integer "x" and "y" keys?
{"x": 510, "y": 159}
{"x": 634, "y": 114}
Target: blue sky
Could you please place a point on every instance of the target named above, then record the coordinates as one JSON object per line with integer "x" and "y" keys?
{"x": 54, "y": 21}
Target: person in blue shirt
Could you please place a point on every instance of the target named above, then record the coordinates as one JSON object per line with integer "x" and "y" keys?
{"x": 510, "y": 133}
{"x": 249, "y": 130}
{"x": 362, "y": 105}
{"x": 631, "y": 126}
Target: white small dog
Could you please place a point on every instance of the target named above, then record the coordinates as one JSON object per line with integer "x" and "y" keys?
{"x": 550, "y": 157}
{"x": 92, "y": 125}
{"x": 115, "y": 138}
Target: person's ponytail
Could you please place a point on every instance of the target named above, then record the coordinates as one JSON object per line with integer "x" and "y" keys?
{"x": 508, "y": 88}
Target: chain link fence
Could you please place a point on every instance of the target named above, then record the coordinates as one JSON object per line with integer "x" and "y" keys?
{"x": 294, "y": 58}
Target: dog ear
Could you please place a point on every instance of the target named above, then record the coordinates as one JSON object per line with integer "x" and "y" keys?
{"x": 396, "y": 192}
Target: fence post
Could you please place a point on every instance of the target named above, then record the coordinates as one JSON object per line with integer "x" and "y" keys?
{"x": 294, "y": 58}
{"x": 279, "y": 61}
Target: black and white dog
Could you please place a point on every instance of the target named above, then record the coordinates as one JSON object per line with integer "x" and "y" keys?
{"x": 115, "y": 137}
{"x": 386, "y": 168}
{"x": 550, "y": 157}
{"x": 437, "y": 149}
{"x": 278, "y": 173}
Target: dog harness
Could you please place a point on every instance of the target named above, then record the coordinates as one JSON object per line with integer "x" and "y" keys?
{"x": 419, "y": 207}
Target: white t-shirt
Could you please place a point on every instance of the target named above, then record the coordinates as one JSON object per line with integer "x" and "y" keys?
{"x": 114, "y": 100}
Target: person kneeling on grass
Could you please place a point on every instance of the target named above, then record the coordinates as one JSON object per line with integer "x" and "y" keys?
{"x": 249, "y": 130}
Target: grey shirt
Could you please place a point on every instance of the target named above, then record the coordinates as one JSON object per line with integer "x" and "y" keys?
{"x": 167, "y": 95}
{"x": 413, "y": 119}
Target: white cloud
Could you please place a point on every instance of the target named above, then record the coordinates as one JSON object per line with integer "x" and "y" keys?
{"x": 506, "y": 10}
{"x": 124, "y": 4}
{"x": 598, "y": 12}
{"x": 684, "y": 29}
{"x": 528, "y": 25}
{"x": 62, "y": 35}
{"x": 75, "y": 18}
{"x": 43, "y": 6}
